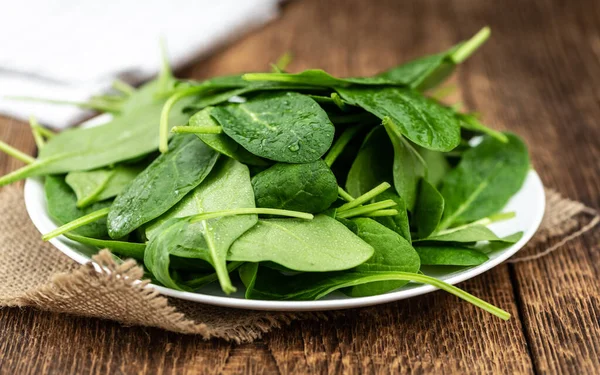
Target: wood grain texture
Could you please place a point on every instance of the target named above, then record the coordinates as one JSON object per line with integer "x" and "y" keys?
{"x": 539, "y": 76}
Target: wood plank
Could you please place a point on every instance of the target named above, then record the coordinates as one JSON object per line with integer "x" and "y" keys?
{"x": 543, "y": 83}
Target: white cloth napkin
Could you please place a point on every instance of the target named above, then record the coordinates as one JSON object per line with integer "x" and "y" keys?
{"x": 73, "y": 49}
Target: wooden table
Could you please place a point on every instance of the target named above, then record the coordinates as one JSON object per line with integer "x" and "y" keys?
{"x": 539, "y": 76}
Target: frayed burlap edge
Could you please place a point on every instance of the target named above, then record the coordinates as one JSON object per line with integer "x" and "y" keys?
{"x": 562, "y": 218}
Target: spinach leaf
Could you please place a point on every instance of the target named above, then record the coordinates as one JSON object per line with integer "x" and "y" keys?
{"x": 408, "y": 167}
{"x": 373, "y": 163}
{"x": 286, "y": 127}
{"x": 131, "y": 133}
{"x": 437, "y": 165}
{"x": 315, "y": 77}
{"x": 422, "y": 120}
{"x": 398, "y": 223}
{"x": 122, "y": 248}
{"x": 318, "y": 245}
{"x": 450, "y": 256}
{"x": 392, "y": 253}
{"x": 62, "y": 207}
{"x": 469, "y": 233}
{"x": 160, "y": 186}
{"x": 222, "y": 143}
{"x": 487, "y": 176}
{"x": 429, "y": 71}
{"x": 428, "y": 210}
{"x": 310, "y": 187}
{"x": 227, "y": 187}
{"x": 100, "y": 184}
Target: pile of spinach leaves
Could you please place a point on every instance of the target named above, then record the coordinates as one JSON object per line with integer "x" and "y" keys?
{"x": 293, "y": 185}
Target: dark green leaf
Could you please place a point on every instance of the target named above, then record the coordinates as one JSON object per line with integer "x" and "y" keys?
{"x": 62, "y": 207}
{"x": 373, "y": 164}
{"x": 310, "y": 187}
{"x": 420, "y": 119}
{"x": 392, "y": 253}
{"x": 222, "y": 143}
{"x": 398, "y": 223}
{"x": 160, "y": 186}
{"x": 450, "y": 256}
{"x": 286, "y": 127}
{"x": 408, "y": 168}
{"x": 428, "y": 210}
{"x": 485, "y": 179}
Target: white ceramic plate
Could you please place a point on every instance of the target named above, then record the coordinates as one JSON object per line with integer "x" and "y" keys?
{"x": 528, "y": 203}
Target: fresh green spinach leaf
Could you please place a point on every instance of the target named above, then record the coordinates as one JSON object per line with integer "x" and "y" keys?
{"x": 373, "y": 163}
{"x": 285, "y": 127}
{"x": 422, "y": 120}
{"x": 62, "y": 207}
{"x": 487, "y": 176}
{"x": 309, "y": 187}
{"x": 450, "y": 256}
{"x": 318, "y": 245}
{"x": 408, "y": 168}
{"x": 428, "y": 209}
{"x": 160, "y": 186}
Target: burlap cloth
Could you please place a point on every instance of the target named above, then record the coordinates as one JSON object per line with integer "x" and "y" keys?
{"x": 34, "y": 273}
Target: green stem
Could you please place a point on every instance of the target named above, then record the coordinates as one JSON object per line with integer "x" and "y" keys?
{"x": 123, "y": 87}
{"x": 128, "y": 249}
{"x": 338, "y": 101}
{"x": 363, "y": 210}
{"x": 37, "y": 136}
{"x": 17, "y": 154}
{"x": 250, "y": 211}
{"x": 415, "y": 277}
{"x": 365, "y": 197}
{"x": 45, "y": 132}
{"x": 84, "y": 220}
{"x": 345, "y": 195}
{"x": 20, "y": 173}
{"x": 470, "y": 122}
{"x": 470, "y": 46}
{"x": 208, "y": 129}
{"x": 282, "y": 62}
{"x": 201, "y": 281}
{"x": 442, "y": 92}
{"x": 340, "y": 144}
{"x": 166, "y": 110}
{"x": 485, "y": 221}
{"x": 382, "y": 213}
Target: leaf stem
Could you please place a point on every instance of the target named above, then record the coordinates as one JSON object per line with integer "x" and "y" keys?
{"x": 485, "y": 221}
{"x": 345, "y": 195}
{"x": 419, "y": 278}
{"x": 17, "y": 154}
{"x": 208, "y": 129}
{"x": 20, "y": 173}
{"x": 363, "y": 210}
{"x": 123, "y": 87}
{"x": 338, "y": 101}
{"x": 166, "y": 110}
{"x": 381, "y": 213}
{"x": 365, "y": 197}
{"x": 470, "y": 46}
{"x": 37, "y": 136}
{"x": 341, "y": 143}
{"x": 250, "y": 211}
{"x": 45, "y": 132}
{"x": 84, "y": 220}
